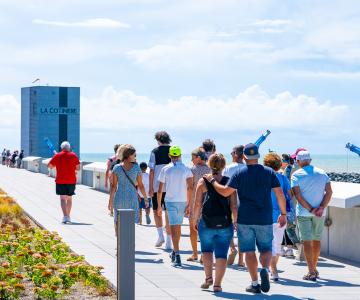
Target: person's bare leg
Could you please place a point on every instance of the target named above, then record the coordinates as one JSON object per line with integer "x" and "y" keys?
{"x": 241, "y": 256}
{"x": 68, "y": 205}
{"x": 273, "y": 264}
{"x": 308, "y": 250}
{"x": 157, "y": 219}
{"x": 232, "y": 245}
{"x": 175, "y": 236}
{"x": 193, "y": 240}
{"x": 265, "y": 259}
{"x": 167, "y": 226}
{"x": 208, "y": 264}
{"x": 252, "y": 265}
{"x": 220, "y": 268}
{"x": 63, "y": 200}
{"x": 316, "y": 252}
{"x": 140, "y": 215}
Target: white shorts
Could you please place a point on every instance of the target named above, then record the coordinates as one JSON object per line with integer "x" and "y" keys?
{"x": 278, "y": 233}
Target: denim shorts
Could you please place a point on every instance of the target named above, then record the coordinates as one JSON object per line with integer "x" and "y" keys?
{"x": 175, "y": 211}
{"x": 142, "y": 203}
{"x": 250, "y": 236}
{"x": 215, "y": 240}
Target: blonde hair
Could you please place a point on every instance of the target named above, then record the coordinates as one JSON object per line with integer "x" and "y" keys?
{"x": 216, "y": 163}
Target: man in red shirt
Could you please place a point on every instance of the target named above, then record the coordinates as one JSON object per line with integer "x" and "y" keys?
{"x": 66, "y": 164}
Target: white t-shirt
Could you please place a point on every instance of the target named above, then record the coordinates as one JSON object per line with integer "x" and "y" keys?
{"x": 175, "y": 176}
{"x": 146, "y": 182}
{"x": 231, "y": 169}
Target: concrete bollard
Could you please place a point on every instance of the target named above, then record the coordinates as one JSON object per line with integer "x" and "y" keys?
{"x": 125, "y": 254}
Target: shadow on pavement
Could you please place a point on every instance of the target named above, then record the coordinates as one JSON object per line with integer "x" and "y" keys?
{"x": 319, "y": 283}
{"x": 228, "y": 295}
{"x": 77, "y": 223}
{"x": 321, "y": 264}
{"x": 149, "y": 261}
{"x": 145, "y": 253}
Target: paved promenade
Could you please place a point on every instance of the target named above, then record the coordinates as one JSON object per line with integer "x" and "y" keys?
{"x": 92, "y": 235}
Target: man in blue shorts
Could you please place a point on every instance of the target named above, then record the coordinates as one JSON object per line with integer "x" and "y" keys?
{"x": 253, "y": 184}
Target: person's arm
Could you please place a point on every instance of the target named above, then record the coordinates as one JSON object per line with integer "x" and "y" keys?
{"x": 223, "y": 190}
{"x": 52, "y": 163}
{"x": 151, "y": 174}
{"x": 299, "y": 198}
{"x": 234, "y": 208}
{"x": 107, "y": 173}
{"x": 112, "y": 192}
{"x": 282, "y": 205}
{"x": 189, "y": 184}
{"x": 199, "y": 194}
{"x": 326, "y": 199}
{"x": 159, "y": 197}
{"x": 141, "y": 187}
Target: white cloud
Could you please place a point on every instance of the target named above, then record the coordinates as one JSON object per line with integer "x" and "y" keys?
{"x": 252, "y": 109}
{"x": 326, "y": 75}
{"x": 271, "y": 23}
{"x": 10, "y": 112}
{"x": 191, "y": 53}
{"x": 90, "y": 23}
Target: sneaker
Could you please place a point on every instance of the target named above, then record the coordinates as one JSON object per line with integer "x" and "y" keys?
{"x": 274, "y": 277}
{"x": 289, "y": 253}
{"x": 282, "y": 252}
{"x": 148, "y": 220}
{"x": 255, "y": 289}
{"x": 68, "y": 219}
{"x": 168, "y": 244}
{"x": 159, "y": 242}
{"x": 177, "y": 262}
{"x": 64, "y": 220}
{"x": 265, "y": 282}
{"x": 172, "y": 256}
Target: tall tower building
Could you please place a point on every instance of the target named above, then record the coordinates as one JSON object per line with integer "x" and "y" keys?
{"x": 49, "y": 113}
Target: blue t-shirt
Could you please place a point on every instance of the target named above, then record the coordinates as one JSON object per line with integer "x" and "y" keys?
{"x": 254, "y": 184}
{"x": 285, "y": 186}
{"x": 312, "y": 182}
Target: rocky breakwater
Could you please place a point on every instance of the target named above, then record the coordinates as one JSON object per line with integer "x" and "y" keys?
{"x": 345, "y": 177}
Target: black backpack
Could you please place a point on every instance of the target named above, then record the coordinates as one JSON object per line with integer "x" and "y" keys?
{"x": 216, "y": 211}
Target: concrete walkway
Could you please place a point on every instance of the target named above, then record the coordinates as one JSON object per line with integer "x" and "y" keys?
{"x": 92, "y": 235}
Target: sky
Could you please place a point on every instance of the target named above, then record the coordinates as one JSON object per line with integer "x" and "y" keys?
{"x": 221, "y": 69}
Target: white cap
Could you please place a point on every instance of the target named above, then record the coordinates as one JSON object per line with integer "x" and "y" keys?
{"x": 303, "y": 155}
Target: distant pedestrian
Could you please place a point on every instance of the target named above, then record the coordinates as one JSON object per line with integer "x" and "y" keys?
{"x": 209, "y": 147}
{"x": 159, "y": 158}
{"x": 273, "y": 161}
{"x": 67, "y": 164}
{"x": 312, "y": 190}
{"x": 8, "y": 158}
{"x": 287, "y": 163}
{"x": 253, "y": 184}
{"x": 13, "y": 159}
{"x": 126, "y": 180}
{"x": 177, "y": 181}
{"x": 20, "y": 158}
{"x": 3, "y": 157}
{"x": 214, "y": 217}
{"x": 144, "y": 203}
{"x": 110, "y": 164}
{"x": 237, "y": 155}
{"x": 199, "y": 169}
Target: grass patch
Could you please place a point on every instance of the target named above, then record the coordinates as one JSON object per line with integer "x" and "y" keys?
{"x": 36, "y": 259}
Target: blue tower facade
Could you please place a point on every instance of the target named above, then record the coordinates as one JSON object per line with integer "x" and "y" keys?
{"x": 49, "y": 112}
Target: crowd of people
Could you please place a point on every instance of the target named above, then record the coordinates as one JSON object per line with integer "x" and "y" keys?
{"x": 12, "y": 159}
{"x": 279, "y": 202}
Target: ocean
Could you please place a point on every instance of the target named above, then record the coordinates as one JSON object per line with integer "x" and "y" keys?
{"x": 330, "y": 163}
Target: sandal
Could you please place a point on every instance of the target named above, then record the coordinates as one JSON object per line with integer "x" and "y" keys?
{"x": 310, "y": 276}
{"x": 242, "y": 265}
{"x": 217, "y": 289}
{"x": 192, "y": 258}
{"x": 317, "y": 273}
{"x": 208, "y": 282}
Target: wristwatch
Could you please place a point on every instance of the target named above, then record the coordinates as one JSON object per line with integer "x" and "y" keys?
{"x": 283, "y": 214}
{"x": 212, "y": 180}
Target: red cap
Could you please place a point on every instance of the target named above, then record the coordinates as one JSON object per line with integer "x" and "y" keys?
{"x": 296, "y": 152}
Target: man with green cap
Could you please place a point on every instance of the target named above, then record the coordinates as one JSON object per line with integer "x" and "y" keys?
{"x": 177, "y": 180}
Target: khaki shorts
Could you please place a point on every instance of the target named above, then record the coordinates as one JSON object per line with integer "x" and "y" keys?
{"x": 310, "y": 228}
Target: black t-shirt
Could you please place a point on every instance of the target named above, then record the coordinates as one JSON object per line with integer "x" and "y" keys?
{"x": 254, "y": 184}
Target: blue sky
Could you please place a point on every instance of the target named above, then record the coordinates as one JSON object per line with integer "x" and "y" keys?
{"x": 222, "y": 69}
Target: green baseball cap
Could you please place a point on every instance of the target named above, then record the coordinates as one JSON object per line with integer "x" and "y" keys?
{"x": 175, "y": 151}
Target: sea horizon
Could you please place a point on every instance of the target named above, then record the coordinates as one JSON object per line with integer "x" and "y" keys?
{"x": 329, "y": 162}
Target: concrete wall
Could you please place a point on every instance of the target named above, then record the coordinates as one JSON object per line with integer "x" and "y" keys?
{"x": 342, "y": 238}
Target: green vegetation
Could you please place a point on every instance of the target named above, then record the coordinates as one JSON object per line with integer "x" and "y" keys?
{"x": 30, "y": 256}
